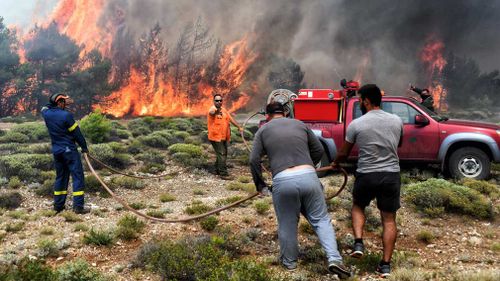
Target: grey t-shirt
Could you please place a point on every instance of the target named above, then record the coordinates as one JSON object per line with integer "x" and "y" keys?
{"x": 377, "y": 135}
{"x": 287, "y": 143}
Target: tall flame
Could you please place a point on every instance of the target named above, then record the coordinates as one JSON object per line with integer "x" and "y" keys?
{"x": 155, "y": 95}
{"x": 363, "y": 64}
{"x": 432, "y": 57}
{"x": 79, "y": 19}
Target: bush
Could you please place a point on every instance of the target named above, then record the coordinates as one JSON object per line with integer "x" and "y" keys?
{"x": 27, "y": 167}
{"x": 10, "y": 200}
{"x": 10, "y": 137}
{"x": 199, "y": 258}
{"x": 156, "y": 214}
{"x": 98, "y": 237}
{"x": 248, "y": 187}
{"x": 129, "y": 227}
{"x": 188, "y": 155}
{"x": 34, "y": 131}
{"x": 27, "y": 269}
{"x": 151, "y": 157}
{"x": 105, "y": 153}
{"x": 46, "y": 189}
{"x": 197, "y": 207}
{"x": 425, "y": 236}
{"x": 227, "y": 201}
{"x": 165, "y": 197}
{"x": 484, "y": 187}
{"x": 37, "y": 148}
{"x": 96, "y": 127}
{"x": 480, "y": 275}
{"x": 438, "y": 193}
{"x": 160, "y": 139}
{"x": 70, "y": 216}
{"x": 15, "y": 183}
{"x": 261, "y": 206}
{"x": 79, "y": 270}
{"x": 137, "y": 205}
{"x": 209, "y": 223}
{"x": 244, "y": 179}
{"x": 47, "y": 248}
{"x": 128, "y": 183}
{"x": 92, "y": 184}
{"x": 14, "y": 227}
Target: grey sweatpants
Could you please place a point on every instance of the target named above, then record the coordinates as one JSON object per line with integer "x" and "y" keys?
{"x": 301, "y": 192}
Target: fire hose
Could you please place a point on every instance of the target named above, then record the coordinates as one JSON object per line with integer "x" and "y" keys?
{"x": 187, "y": 219}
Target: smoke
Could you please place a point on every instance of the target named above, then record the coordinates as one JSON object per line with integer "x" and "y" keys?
{"x": 326, "y": 36}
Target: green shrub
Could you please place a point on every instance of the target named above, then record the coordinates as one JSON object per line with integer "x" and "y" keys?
{"x": 96, "y": 127}
{"x": 10, "y": 148}
{"x": 209, "y": 223}
{"x": 81, "y": 227}
{"x": 197, "y": 207}
{"x": 484, "y": 187}
{"x": 25, "y": 166}
{"x": 156, "y": 214}
{"x": 10, "y": 200}
{"x": 438, "y": 193}
{"x": 105, "y": 153}
{"x": 151, "y": 157}
{"x": 198, "y": 258}
{"x": 495, "y": 247}
{"x": 122, "y": 134}
{"x": 29, "y": 269}
{"x": 248, "y": 187}
{"x": 244, "y": 179}
{"x": 166, "y": 197}
{"x": 198, "y": 192}
{"x": 37, "y": 148}
{"x": 47, "y": 248}
{"x": 261, "y": 206}
{"x": 137, "y": 205}
{"x": 79, "y": 270}
{"x": 15, "y": 183}
{"x": 128, "y": 183}
{"x": 480, "y": 275}
{"x": 14, "y": 227}
{"x": 46, "y": 189}
{"x": 425, "y": 236}
{"x": 227, "y": 201}
{"x": 92, "y": 184}
{"x": 10, "y": 137}
{"x": 159, "y": 139}
{"x": 140, "y": 127}
{"x": 70, "y": 216}
{"x": 190, "y": 149}
{"x": 306, "y": 228}
{"x": 129, "y": 227}
{"x": 47, "y": 231}
{"x": 34, "y": 131}
{"x": 98, "y": 237}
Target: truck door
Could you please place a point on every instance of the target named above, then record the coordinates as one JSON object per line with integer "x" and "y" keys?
{"x": 419, "y": 142}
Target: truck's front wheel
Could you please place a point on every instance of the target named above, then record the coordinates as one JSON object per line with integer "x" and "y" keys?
{"x": 469, "y": 162}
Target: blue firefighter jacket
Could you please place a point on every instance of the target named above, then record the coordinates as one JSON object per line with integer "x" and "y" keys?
{"x": 63, "y": 130}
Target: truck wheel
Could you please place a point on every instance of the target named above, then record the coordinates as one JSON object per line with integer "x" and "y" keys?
{"x": 323, "y": 163}
{"x": 469, "y": 162}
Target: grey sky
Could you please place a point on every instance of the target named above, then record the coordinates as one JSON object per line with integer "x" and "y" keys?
{"x": 23, "y": 12}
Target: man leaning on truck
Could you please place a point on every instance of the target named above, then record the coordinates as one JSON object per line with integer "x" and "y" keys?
{"x": 378, "y": 135}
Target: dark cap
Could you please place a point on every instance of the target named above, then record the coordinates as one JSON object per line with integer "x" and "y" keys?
{"x": 275, "y": 107}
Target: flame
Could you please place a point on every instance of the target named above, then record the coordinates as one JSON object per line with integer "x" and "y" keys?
{"x": 432, "y": 57}
{"x": 363, "y": 64}
{"x": 152, "y": 94}
{"x": 79, "y": 19}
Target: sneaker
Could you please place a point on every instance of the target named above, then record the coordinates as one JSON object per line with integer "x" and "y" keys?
{"x": 358, "y": 250}
{"x": 337, "y": 267}
{"x": 81, "y": 211}
{"x": 384, "y": 270}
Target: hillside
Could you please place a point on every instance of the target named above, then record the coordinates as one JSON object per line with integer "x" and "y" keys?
{"x": 448, "y": 230}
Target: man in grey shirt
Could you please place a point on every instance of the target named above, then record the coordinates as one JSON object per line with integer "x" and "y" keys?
{"x": 378, "y": 135}
{"x": 293, "y": 149}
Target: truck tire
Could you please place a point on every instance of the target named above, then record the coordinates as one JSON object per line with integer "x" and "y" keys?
{"x": 323, "y": 163}
{"x": 469, "y": 162}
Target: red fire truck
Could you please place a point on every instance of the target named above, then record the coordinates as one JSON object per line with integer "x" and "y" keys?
{"x": 463, "y": 148}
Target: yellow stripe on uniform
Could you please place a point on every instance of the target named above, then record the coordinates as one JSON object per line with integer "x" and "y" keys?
{"x": 78, "y": 193}
{"x": 60, "y": 192}
{"x": 72, "y": 128}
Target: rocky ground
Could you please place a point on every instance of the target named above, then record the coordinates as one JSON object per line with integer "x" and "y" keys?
{"x": 427, "y": 249}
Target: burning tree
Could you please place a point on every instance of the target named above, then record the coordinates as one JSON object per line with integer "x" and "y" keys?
{"x": 9, "y": 64}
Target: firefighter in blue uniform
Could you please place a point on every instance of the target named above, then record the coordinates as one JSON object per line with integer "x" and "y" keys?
{"x": 64, "y": 132}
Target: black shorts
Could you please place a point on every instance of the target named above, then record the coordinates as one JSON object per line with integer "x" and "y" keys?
{"x": 385, "y": 186}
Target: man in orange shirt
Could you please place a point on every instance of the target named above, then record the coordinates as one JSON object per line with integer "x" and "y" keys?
{"x": 219, "y": 133}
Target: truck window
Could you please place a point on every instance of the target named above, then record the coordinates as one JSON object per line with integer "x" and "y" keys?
{"x": 404, "y": 111}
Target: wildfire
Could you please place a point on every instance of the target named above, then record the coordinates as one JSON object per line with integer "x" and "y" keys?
{"x": 365, "y": 61}
{"x": 432, "y": 57}
{"x": 155, "y": 95}
{"x": 79, "y": 19}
